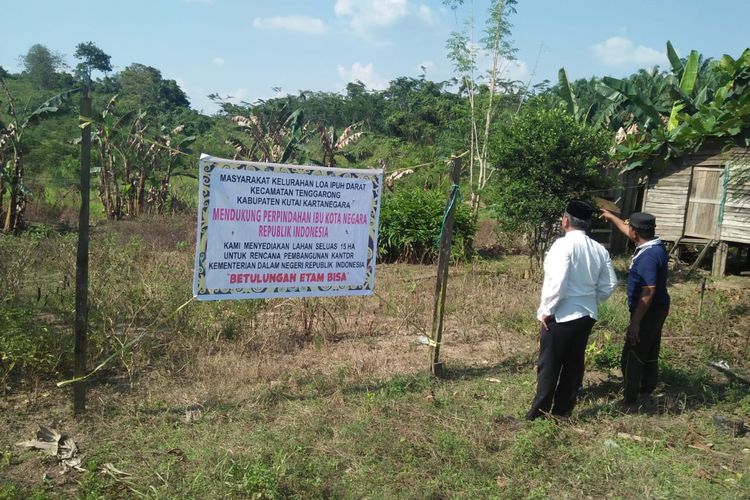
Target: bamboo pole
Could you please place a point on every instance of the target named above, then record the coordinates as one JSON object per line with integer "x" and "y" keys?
{"x": 441, "y": 283}
{"x": 82, "y": 259}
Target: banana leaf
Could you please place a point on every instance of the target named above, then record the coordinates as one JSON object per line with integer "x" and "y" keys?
{"x": 690, "y": 74}
{"x": 632, "y": 93}
{"x": 567, "y": 92}
{"x": 49, "y": 107}
{"x": 674, "y": 60}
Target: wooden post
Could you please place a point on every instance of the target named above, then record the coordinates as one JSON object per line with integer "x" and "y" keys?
{"x": 703, "y": 292}
{"x": 441, "y": 283}
{"x": 82, "y": 260}
{"x": 719, "y": 263}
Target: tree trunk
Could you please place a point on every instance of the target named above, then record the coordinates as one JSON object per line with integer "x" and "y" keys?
{"x": 11, "y": 217}
{"x": 102, "y": 188}
{"x": 164, "y": 189}
{"x": 105, "y": 192}
{"x": 115, "y": 186}
{"x": 129, "y": 202}
{"x": 488, "y": 119}
{"x": 140, "y": 190}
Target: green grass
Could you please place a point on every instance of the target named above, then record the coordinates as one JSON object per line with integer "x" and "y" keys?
{"x": 345, "y": 408}
{"x": 394, "y": 441}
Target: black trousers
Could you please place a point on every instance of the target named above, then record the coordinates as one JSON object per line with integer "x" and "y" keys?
{"x": 640, "y": 362}
{"x": 560, "y": 366}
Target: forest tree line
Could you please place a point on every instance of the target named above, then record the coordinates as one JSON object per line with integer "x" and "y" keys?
{"x": 525, "y": 148}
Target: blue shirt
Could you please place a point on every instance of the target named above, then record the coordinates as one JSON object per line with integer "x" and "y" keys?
{"x": 648, "y": 268}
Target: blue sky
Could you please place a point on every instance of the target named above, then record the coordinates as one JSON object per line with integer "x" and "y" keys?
{"x": 250, "y": 49}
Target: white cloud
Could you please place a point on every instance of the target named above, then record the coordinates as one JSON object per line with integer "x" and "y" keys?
{"x": 300, "y": 24}
{"x": 507, "y": 69}
{"x": 621, "y": 51}
{"x": 427, "y": 15}
{"x": 513, "y": 70}
{"x": 219, "y": 61}
{"x": 365, "y": 74}
{"x": 365, "y": 16}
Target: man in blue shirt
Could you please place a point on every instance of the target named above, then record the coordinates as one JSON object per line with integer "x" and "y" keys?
{"x": 648, "y": 301}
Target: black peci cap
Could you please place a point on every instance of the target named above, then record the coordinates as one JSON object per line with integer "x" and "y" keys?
{"x": 642, "y": 220}
{"x": 579, "y": 209}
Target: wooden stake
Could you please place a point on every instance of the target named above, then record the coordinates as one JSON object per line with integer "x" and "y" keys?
{"x": 719, "y": 264}
{"x": 82, "y": 260}
{"x": 441, "y": 283}
{"x": 703, "y": 292}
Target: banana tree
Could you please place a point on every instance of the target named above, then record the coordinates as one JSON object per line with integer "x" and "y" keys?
{"x": 143, "y": 153}
{"x": 334, "y": 144}
{"x": 129, "y": 159}
{"x": 648, "y": 112}
{"x": 171, "y": 144}
{"x": 6, "y": 166}
{"x": 597, "y": 108}
{"x": 108, "y": 134}
{"x": 687, "y": 73}
{"x": 722, "y": 115}
{"x": 12, "y": 146}
{"x": 272, "y": 140}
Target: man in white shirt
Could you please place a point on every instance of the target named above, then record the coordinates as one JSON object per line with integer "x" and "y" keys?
{"x": 578, "y": 276}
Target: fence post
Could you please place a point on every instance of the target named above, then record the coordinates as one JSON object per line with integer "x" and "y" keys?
{"x": 82, "y": 259}
{"x": 441, "y": 283}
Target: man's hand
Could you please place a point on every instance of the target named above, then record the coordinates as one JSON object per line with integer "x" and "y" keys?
{"x": 618, "y": 222}
{"x": 606, "y": 214}
{"x": 633, "y": 333}
{"x": 545, "y": 319}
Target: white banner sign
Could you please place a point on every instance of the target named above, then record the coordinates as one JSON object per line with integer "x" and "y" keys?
{"x": 267, "y": 230}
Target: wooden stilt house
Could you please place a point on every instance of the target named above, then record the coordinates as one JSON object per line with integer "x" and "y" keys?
{"x": 702, "y": 200}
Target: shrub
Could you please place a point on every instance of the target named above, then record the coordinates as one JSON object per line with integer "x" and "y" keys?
{"x": 544, "y": 157}
{"x": 28, "y": 346}
{"x": 604, "y": 350}
{"x": 410, "y": 225}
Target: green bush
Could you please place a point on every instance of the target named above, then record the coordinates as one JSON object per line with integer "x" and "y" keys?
{"x": 34, "y": 306}
{"x": 545, "y": 157}
{"x": 29, "y": 346}
{"x": 603, "y": 352}
{"x": 410, "y": 224}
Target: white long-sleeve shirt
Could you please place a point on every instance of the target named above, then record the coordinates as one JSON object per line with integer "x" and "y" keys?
{"x": 578, "y": 276}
